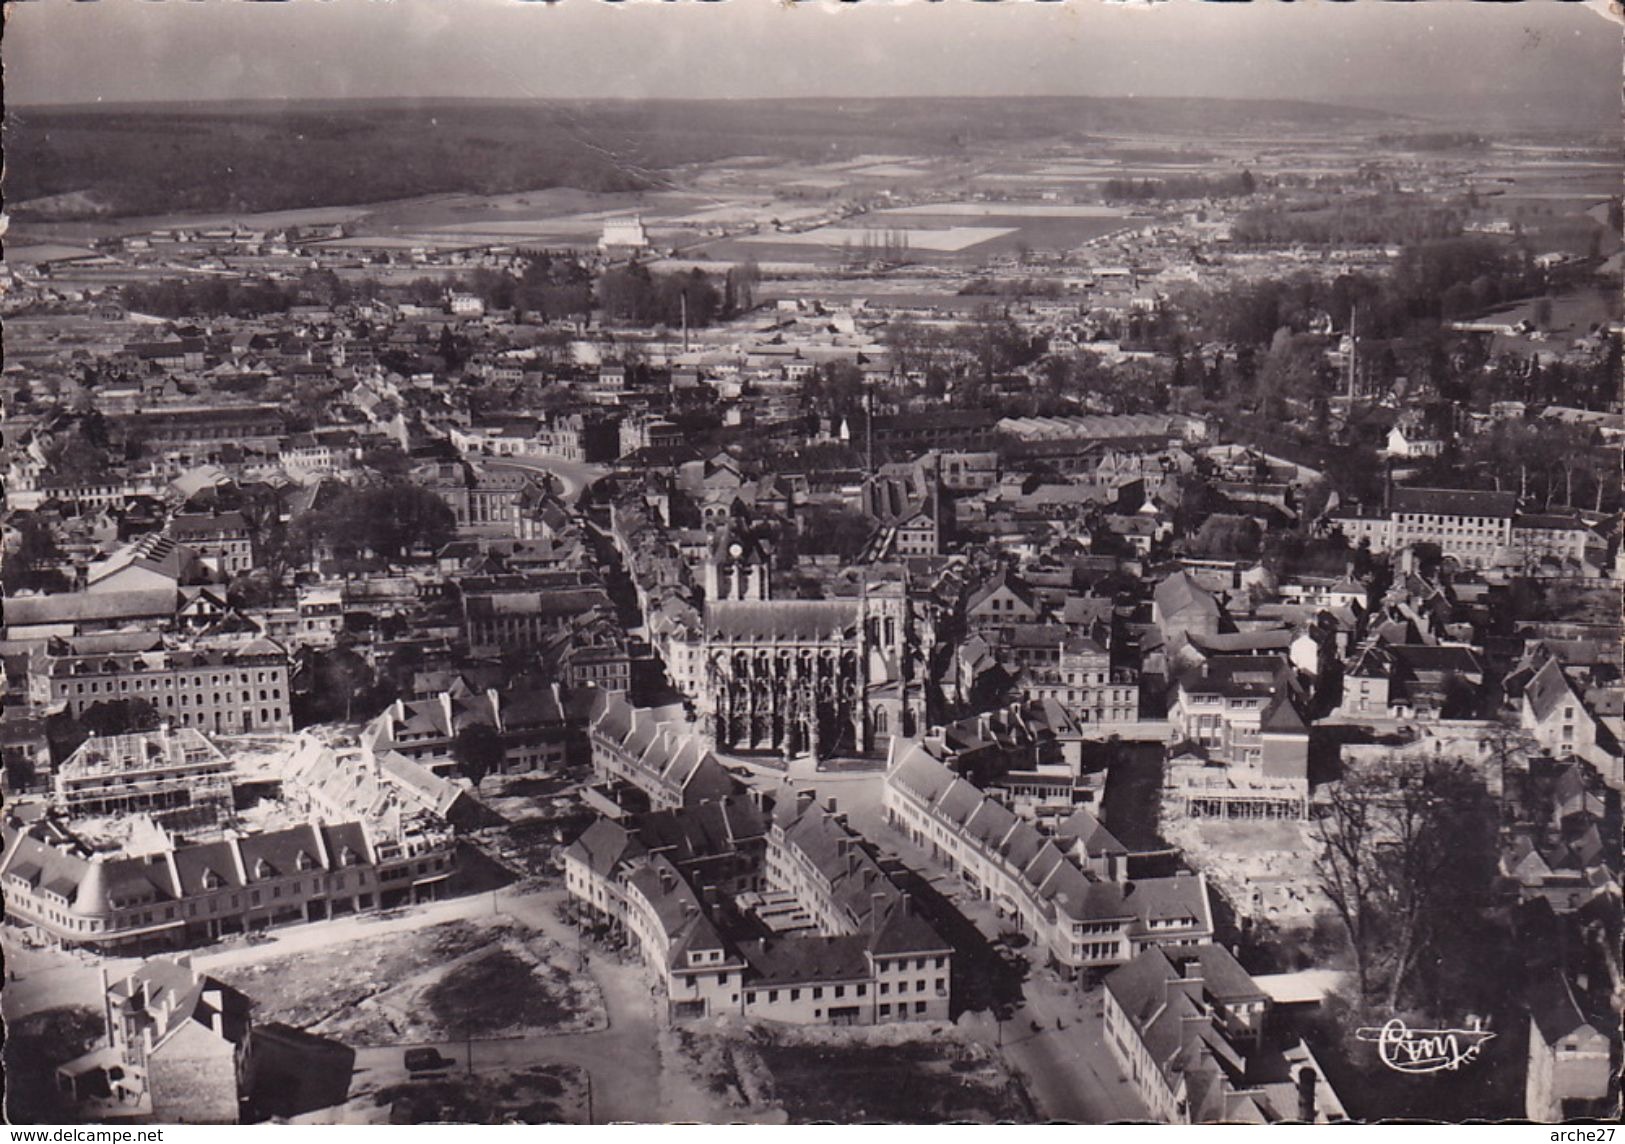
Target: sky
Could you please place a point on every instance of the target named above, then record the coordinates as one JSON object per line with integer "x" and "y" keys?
{"x": 1540, "y": 56}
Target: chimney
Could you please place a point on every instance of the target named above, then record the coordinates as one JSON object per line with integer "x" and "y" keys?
{"x": 831, "y": 806}
{"x": 1306, "y": 1094}
{"x": 805, "y": 799}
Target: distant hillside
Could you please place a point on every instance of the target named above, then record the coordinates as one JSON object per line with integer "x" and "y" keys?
{"x": 161, "y": 158}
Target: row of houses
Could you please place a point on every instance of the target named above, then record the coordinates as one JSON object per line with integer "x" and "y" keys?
{"x": 186, "y": 893}
{"x": 1068, "y": 891}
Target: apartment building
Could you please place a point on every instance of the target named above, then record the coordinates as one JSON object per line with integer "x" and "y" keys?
{"x": 1471, "y": 527}
{"x": 226, "y": 689}
{"x": 223, "y": 540}
{"x": 655, "y": 750}
{"x": 1082, "y": 679}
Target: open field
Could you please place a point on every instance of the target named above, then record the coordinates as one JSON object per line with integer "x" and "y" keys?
{"x": 1261, "y": 866}
{"x": 1574, "y": 311}
{"x": 501, "y": 991}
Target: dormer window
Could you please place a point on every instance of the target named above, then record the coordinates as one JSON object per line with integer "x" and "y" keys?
{"x": 348, "y": 857}
{"x": 212, "y": 880}
{"x": 305, "y": 861}
{"x": 262, "y": 869}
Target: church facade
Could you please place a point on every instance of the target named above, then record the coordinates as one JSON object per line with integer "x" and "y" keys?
{"x": 805, "y": 677}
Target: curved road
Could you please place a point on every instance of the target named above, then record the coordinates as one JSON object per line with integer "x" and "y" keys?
{"x": 574, "y": 475}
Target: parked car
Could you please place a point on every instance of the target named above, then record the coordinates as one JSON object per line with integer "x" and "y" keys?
{"x": 426, "y": 1060}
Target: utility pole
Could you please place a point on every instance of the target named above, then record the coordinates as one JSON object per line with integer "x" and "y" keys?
{"x": 682, "y": 299}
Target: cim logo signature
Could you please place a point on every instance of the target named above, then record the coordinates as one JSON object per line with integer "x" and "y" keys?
{"x": 1408, "y": 1050}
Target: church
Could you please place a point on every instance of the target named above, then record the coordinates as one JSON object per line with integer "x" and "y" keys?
{"x": 819, "y": 677}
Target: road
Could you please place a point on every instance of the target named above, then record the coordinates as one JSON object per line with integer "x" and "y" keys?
{"x": 1068, "y": 1069}
{"x": 574, "y": 475}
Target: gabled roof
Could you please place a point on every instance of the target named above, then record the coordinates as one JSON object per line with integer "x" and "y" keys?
{"x": 1003, "y": 579}
{"x": 1180, "y": 593}
{"x": 1548, "y": 690}
{"x": 604, "y": 846}
{"x": 84, "y": 607}
{"x": 1281, "y": 717}
{"x": 1090, "y": 833}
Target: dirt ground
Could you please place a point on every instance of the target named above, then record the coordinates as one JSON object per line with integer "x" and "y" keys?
{"x": 879, "y": 1075}
{"x": 483, "y": 977}
{"x": 537, "y": 1094}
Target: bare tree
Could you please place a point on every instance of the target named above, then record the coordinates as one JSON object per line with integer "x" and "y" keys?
{"x": 1347, "y": 869}
{"x": 1407, "y": 842}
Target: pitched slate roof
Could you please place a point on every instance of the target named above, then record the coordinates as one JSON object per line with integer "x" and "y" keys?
{"x": 1454, "y": 502}
{"x": 83, "y": 607}
{"x": 779, "y": 621}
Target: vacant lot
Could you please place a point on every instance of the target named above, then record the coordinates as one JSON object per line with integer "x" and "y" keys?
{"x": 453, "y": 980}
{"x": 306, "y": 989}
{"x": 878, "y": 1075}
{"x": 501, "y": 992}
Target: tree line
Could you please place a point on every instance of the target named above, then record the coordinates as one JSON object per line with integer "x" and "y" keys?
{"x": 1180, "y": 187}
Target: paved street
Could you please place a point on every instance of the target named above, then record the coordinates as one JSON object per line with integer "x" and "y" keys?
{"x": 574, "y": 475}
{"x": 1068, "y": 1069}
